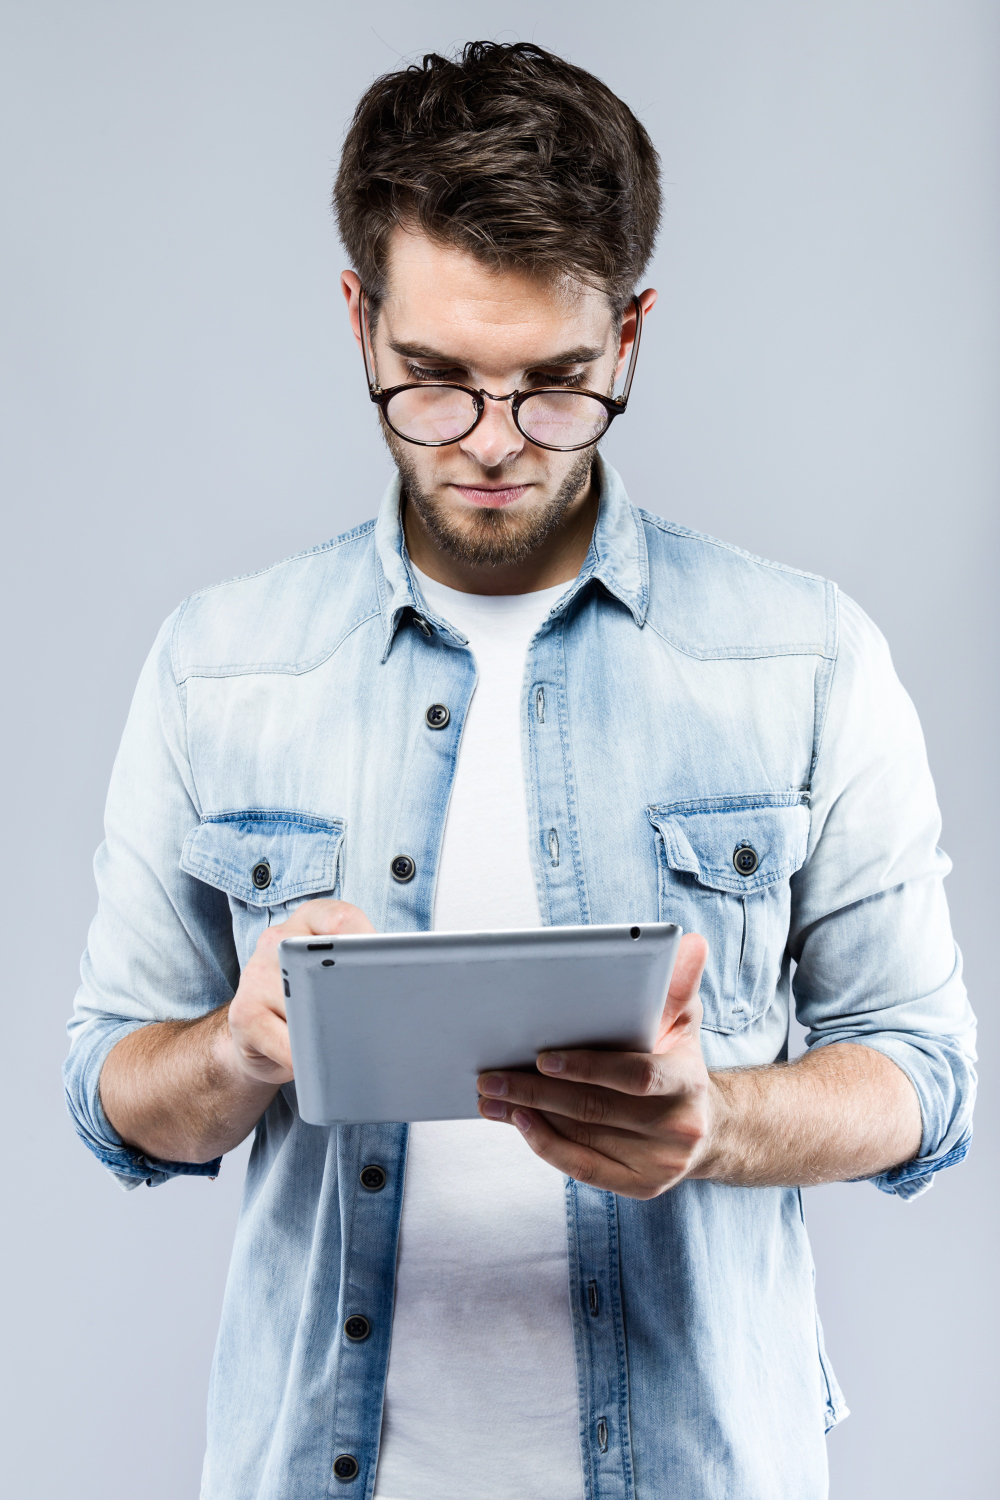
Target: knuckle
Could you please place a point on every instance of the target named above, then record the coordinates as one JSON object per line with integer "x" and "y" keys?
{"x": 337, "y": 914}
{"x": 647, "y": 1075}
{"x": 594, "y": 1108}
{"x": 521, "y": 1088}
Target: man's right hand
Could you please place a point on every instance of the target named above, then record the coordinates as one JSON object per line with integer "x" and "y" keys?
{"x": 192, "y": 1090}
{"x": 258, "y": 1031}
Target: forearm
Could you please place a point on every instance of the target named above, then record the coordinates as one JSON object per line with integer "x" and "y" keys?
{"x": 173, "y": 1090}
{"x": 839, "y": 1112}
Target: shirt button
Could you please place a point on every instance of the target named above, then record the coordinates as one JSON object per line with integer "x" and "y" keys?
{"x": 345, "y": 1466}
{"x": 403, "y": 868}
{"x": 437, "y": 716}
{"x": 357, "y": 1328}
{"x": 745, "y": 859}
{"x": 261, "y": 875}
{"x": 373, "y": 1178}
{"x": 421, "y": 624}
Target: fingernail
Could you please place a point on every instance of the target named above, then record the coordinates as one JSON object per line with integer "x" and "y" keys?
{"x": 492, "y": 1109}
{"x": 522, "y": 1121}
{"x": 493, "y": 1083}
{"x": 551, "y": 1062}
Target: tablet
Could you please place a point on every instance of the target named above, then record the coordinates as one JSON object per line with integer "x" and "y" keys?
{"x": 396, "y": 1026}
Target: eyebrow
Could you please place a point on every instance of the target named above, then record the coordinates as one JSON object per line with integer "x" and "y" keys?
{"x": 584, "y": 354}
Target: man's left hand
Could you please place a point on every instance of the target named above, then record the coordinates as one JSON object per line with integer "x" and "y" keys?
{"x": 631, "y": 1123}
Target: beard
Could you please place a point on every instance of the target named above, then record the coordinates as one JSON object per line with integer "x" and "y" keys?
{"x": 489, "y": 537}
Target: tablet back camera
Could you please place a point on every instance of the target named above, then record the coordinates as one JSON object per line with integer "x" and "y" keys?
{"x": 635, "y": 932}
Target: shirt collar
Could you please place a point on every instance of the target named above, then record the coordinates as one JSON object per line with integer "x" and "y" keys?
{"x": 616, "y": 557}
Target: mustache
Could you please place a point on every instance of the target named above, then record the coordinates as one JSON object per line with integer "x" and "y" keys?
{"x": 491, "y": 537}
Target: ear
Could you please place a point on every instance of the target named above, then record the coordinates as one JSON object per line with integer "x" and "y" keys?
{"x": 350, "y": 285}
{"x": 647, "y": 301}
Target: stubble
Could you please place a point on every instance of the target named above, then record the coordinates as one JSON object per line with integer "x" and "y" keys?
{"x": 490, "y": 536}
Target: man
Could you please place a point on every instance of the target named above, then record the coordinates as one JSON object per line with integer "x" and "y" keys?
{"x": 516, "y": 700}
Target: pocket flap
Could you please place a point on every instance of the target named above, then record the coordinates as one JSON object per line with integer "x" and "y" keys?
{"x": 769, "y": 833}
{"x": 264, "y": 858}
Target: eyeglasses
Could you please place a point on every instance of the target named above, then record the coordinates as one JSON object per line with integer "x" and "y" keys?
{"x": 435, "y": 415}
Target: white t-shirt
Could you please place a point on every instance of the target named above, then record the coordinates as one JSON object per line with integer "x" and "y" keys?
{"x": 481, "y": 1399}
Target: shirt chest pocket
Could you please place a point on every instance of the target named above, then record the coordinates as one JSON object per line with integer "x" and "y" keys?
{"x": 267, "y": 863}
{"x": 724, "y": 869}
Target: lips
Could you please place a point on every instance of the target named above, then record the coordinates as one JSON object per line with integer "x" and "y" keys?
{"x": 495, "y": 498}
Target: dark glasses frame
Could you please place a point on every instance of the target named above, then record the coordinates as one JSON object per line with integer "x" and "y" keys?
{"x": 613, "y": 405}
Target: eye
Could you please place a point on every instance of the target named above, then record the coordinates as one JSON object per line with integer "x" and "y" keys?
{"x": 541, "y": 378}
{"x": 420, "y": 372}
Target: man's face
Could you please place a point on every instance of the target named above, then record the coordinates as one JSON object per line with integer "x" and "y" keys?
{"x": 492, "y": 497}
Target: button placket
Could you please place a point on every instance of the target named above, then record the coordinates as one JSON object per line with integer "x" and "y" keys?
{"x": 551, "y": 787}
{"x": 373, "y": 1159}
{"x": 596, "y": 1302}
{"x": 436, "y": 681}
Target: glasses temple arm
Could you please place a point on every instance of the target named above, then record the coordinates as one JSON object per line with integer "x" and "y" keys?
{"x": 363, "y": 321}
{"x": 623, "y": 398}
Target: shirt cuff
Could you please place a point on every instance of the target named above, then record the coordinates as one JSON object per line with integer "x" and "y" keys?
{"x": 81, "y": 1074}
{"x": 944, "y": 1081}
{"x": 132, "y": 1168}
{"x": 915, "y": 1177}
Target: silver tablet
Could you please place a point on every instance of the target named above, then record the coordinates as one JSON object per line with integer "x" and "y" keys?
{"x": 396, "y": 1026}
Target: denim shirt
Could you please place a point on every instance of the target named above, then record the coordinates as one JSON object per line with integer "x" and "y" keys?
{"x": 682, "y": 699}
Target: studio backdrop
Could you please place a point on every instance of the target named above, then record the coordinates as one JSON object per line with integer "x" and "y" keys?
{"x": 182, "y": 402}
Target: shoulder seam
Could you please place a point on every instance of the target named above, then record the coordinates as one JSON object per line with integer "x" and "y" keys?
{"x": 824, "y": 679}
{"x": 357, "y": 534}
{"x": 278, "y": 669}
{"x": 741, "y": 653}
{"x": 686, "y": 532}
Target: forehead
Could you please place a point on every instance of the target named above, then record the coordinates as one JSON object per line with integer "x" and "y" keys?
{"x": 442, "y": 296}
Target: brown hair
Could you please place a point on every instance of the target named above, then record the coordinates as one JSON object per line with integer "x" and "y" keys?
{"x": 506, "y": 151}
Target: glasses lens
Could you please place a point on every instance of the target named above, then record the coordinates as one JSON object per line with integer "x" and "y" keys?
{"x": 562, "y": 419}
{"x": 432, "y": 413}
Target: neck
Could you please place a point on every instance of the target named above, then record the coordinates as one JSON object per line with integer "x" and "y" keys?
{"x": 558, "y": 559}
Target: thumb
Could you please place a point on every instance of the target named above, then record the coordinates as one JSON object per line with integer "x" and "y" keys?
{"x": 682, "y": 1008}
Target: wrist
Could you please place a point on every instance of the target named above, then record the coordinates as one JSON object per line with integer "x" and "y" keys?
{"x": 223, "y": 1054}
{"x": 718, "y": 1108}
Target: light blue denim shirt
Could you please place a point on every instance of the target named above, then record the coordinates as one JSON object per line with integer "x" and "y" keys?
{"x": 681, "y": 699}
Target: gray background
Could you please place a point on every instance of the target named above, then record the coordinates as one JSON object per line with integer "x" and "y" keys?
{"x": 182, "y": 402}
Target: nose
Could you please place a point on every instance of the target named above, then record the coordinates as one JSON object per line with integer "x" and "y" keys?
{"x": 494, "y": 439}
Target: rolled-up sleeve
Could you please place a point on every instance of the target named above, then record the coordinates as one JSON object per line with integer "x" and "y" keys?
{"x": 876, "y": 962}
{"x": 161, "y": 946}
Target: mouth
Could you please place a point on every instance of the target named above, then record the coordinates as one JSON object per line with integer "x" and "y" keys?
{"x": 492, "y": 496}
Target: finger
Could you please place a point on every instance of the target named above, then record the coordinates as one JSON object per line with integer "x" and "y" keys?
{"x": 579, "y": 1161}
{"x": 611, "y": 1140}
{"x": 653, "y": 1161}
{"x": 682, "y": 1007}
{"x": 324, "y": 918}
{"x": 640, "y": 1074}
{"x": 311, "y": 919}
{"x": 587, "y": 1102}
